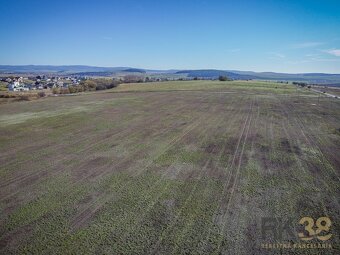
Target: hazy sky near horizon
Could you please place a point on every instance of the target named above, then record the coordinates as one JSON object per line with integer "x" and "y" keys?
{"x": 259, "y": 35}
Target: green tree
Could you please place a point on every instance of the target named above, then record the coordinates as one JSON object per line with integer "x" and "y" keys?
{"x": 222, "y": 78}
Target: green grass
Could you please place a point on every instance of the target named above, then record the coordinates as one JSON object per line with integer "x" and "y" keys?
{"x": 165, "y": 171}
{"x": 231, "y": 86}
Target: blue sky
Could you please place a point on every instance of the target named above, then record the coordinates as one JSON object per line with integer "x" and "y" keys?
{"x": 281, "y": 36}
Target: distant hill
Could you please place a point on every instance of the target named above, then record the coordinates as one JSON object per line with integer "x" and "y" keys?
{"x": 214, "y": 74}
{"x": 134, "y": 70}
{"x": 313, "y": 78}
{"x": 57, "y": 69}
{"x": 93, "y": 74}
{"x": 319, "y": 78}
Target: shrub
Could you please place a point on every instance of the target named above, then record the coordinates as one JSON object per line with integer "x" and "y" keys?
{"x": 88, "y": 85}
{"x": 41, "y": 94}
{"x": 72, "y": 89}
{"x": 302, "y": 84}
{"x": 133, "y": 79}
{"x": 55, "y": 91}
{"x": 100, "y": 87}
{"x": 64, "y": 91}
{"x": 24, "y": 98}
{"x": 222, "y": 78}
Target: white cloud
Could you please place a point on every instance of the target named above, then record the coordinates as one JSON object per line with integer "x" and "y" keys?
{"x": 307, "y": 45}
{"x": 334, "y": 52}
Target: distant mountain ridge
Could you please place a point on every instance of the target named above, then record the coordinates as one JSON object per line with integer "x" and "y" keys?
{"x": 134, "y": 70}
{"x": 319, "y": 78}
{"x": 214, "y": 74}
{"x": 57, "y": 69}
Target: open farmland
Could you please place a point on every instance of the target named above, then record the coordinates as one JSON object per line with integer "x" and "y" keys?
{"x": 167, "y": 168}
{"x": 331, "y": 90}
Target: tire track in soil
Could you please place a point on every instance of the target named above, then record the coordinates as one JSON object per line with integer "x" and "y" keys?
{"x": 190, "y": 224}
{"x": 299, "y": 122}
{"x": 249, "y": 120}
{"x": 255, "y": 126}
{"x": 228, "y": 176}
{"x": 161, "y": 238}
{"x": 95, "y": 206}
{"x": 137, "y": 223}
{"x": 174, "y": 141}
{"x": 283, "y": 126}
{"x": 91, "y": 209}
{"x": 308, "y": 139}
{"x": 231, "y": 179}
{"x": 204, "y": 168}
{"x": 311, "y": 144}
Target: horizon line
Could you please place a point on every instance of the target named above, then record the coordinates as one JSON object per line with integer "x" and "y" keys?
{"x": 167, "y": 69}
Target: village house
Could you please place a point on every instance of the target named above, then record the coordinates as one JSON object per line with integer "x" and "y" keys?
{"x": 17, "y": 86}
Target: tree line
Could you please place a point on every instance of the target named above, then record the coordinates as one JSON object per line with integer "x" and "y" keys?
{"x": 88, "y": 85}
